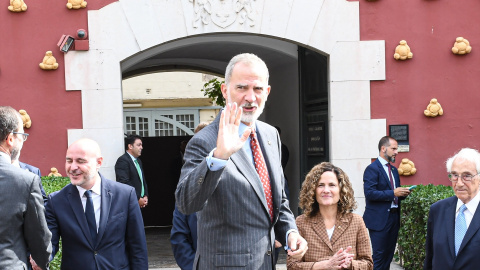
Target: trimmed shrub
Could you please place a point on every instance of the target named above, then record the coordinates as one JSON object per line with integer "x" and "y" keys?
{"x": 413, "y": 223}
{"x": 52, "y": 184}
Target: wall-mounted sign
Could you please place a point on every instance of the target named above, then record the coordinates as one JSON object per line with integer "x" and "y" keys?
{"x": 316, "y": 138}
{"x": 400, "y": 133}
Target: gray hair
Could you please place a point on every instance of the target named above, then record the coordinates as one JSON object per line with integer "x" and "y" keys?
{"x": 9, "y": 121}
{"x": 247, "y": 58}
{"x": 468, "y": 154}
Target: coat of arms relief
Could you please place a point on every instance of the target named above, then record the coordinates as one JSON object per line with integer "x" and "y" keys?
{"x": 223, "y": 13}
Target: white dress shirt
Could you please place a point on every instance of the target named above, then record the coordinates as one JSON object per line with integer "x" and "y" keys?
{"x": 385, "y": 167}
{"x": 471, "y": 208}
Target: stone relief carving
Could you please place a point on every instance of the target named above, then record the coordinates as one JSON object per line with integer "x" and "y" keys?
{"x": 223, "y": 13}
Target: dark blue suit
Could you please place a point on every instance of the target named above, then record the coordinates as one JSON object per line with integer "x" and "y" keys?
{"x": 440, "y": 243}
{"x": 121, "y": 240}
{"x": 36, "y": 171}
{"x": 383, "y": 225}
{"x": 183, "y": 238}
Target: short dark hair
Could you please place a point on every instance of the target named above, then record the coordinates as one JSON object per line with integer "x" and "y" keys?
{"x": 131, "y": 140}
{"x": 9, "y": 121}
{"x": 384, "y": 141}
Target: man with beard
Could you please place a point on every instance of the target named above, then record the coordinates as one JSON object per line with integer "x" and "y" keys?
{"x": 383, "y": 194}
{"x": 22, "y": 226}
{"x": 98, "y": 220}
{"x": 233, "y": 176}
{"x": 129, "y": 168}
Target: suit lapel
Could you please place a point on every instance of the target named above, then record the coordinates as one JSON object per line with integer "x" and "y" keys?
{"x": 472, "y": 229}
{"x": 319, "y": 228}
{"x": 245, "y": 166}
{"x": 383, "y": 173}
{"x": 105, "y": 206}
{"x": 77, "y": 208}
{"x": 340, "y": 226}
{"x": 450, "y": 226}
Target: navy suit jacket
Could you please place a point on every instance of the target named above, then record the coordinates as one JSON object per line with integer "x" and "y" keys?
{"x": 121, "y": 240}
{"x": 127, "y": 173}
{"x": 378, "y": 195}
{"x": 440, "y": 243}
{"x": 183, "y": 238}
{"x": 36, "y": 171}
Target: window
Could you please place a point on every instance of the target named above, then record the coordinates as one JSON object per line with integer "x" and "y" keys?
{"x": 161, "y": 122}
{"x": 130, "y": 126}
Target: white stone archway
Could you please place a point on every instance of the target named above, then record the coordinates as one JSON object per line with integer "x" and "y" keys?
{"x": 127, "y": 27}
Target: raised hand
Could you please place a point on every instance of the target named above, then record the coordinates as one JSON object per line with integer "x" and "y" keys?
{"x": 228, "y": 141}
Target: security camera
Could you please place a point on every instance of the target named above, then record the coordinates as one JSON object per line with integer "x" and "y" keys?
{"x": 82, "y": 34}
{"x": 65, "y": 43}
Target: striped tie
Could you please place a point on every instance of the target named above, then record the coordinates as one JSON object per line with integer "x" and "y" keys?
{"x": 460, "y": 228}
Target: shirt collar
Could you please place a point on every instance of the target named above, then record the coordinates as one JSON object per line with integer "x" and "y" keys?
{"x": 471, "y": 205}
{"x": 133, "y": 158}
{"x": 96, "y": 188}
{"x": 382, "y": 160}
{"x": 242, "y": 128}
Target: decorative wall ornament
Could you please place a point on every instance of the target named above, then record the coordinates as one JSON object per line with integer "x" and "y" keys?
{"x": 407, "y": 167}
{"x": 54, "y": 172}
{"x": 17, "y": 6}
{"x": 223, "y": 13}
{"x": 49, "y": 62}
{"x": 434, "y": 109}
{"x": 76, "y": 4}
{"x": 402, "y": 51}
{"x": 461, "y": 46}
{"x": 27, "y": 122}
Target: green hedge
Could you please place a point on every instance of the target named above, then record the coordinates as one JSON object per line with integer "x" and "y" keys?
{"x": 51, "y": 184}
{"x": 413, "y": 228}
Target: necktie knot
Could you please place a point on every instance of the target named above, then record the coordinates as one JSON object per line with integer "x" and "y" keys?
{"x": 88, "y": 194}
{"x": 253, "y": 135}
{"x": 463, "y": 208}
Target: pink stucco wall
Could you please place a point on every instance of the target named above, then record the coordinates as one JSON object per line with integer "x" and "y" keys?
{"x": 24, "y": 39}
{"x": 430, "y": 27}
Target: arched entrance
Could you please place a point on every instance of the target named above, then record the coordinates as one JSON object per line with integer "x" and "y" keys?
{"x": 129, "y": 33}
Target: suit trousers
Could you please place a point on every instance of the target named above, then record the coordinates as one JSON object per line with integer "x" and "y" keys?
{"x": 384, "y": 242}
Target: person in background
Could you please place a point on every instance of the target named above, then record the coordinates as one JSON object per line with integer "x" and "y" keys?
{"x": 453, "y": 223}
{"x": 383, "y": 197}
{"x": 183, "y": 236}
{"x": 129, "y": 169}
{"x": 337, "y": 238}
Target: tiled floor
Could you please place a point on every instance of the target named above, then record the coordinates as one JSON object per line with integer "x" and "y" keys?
{"x": 160, "y": 255}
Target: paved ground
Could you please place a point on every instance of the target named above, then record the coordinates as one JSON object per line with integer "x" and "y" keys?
{"x": 160, "y": 256}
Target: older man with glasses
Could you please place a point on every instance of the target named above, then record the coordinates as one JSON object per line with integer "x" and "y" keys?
{"x": 453, "y": 232}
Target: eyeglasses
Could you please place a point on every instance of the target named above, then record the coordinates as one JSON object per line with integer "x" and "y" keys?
{"x": 466, "y": 177}
{"x": 25, "y": 135}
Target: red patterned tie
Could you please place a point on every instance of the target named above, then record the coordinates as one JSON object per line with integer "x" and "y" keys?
{"x": 262, "y": 171}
